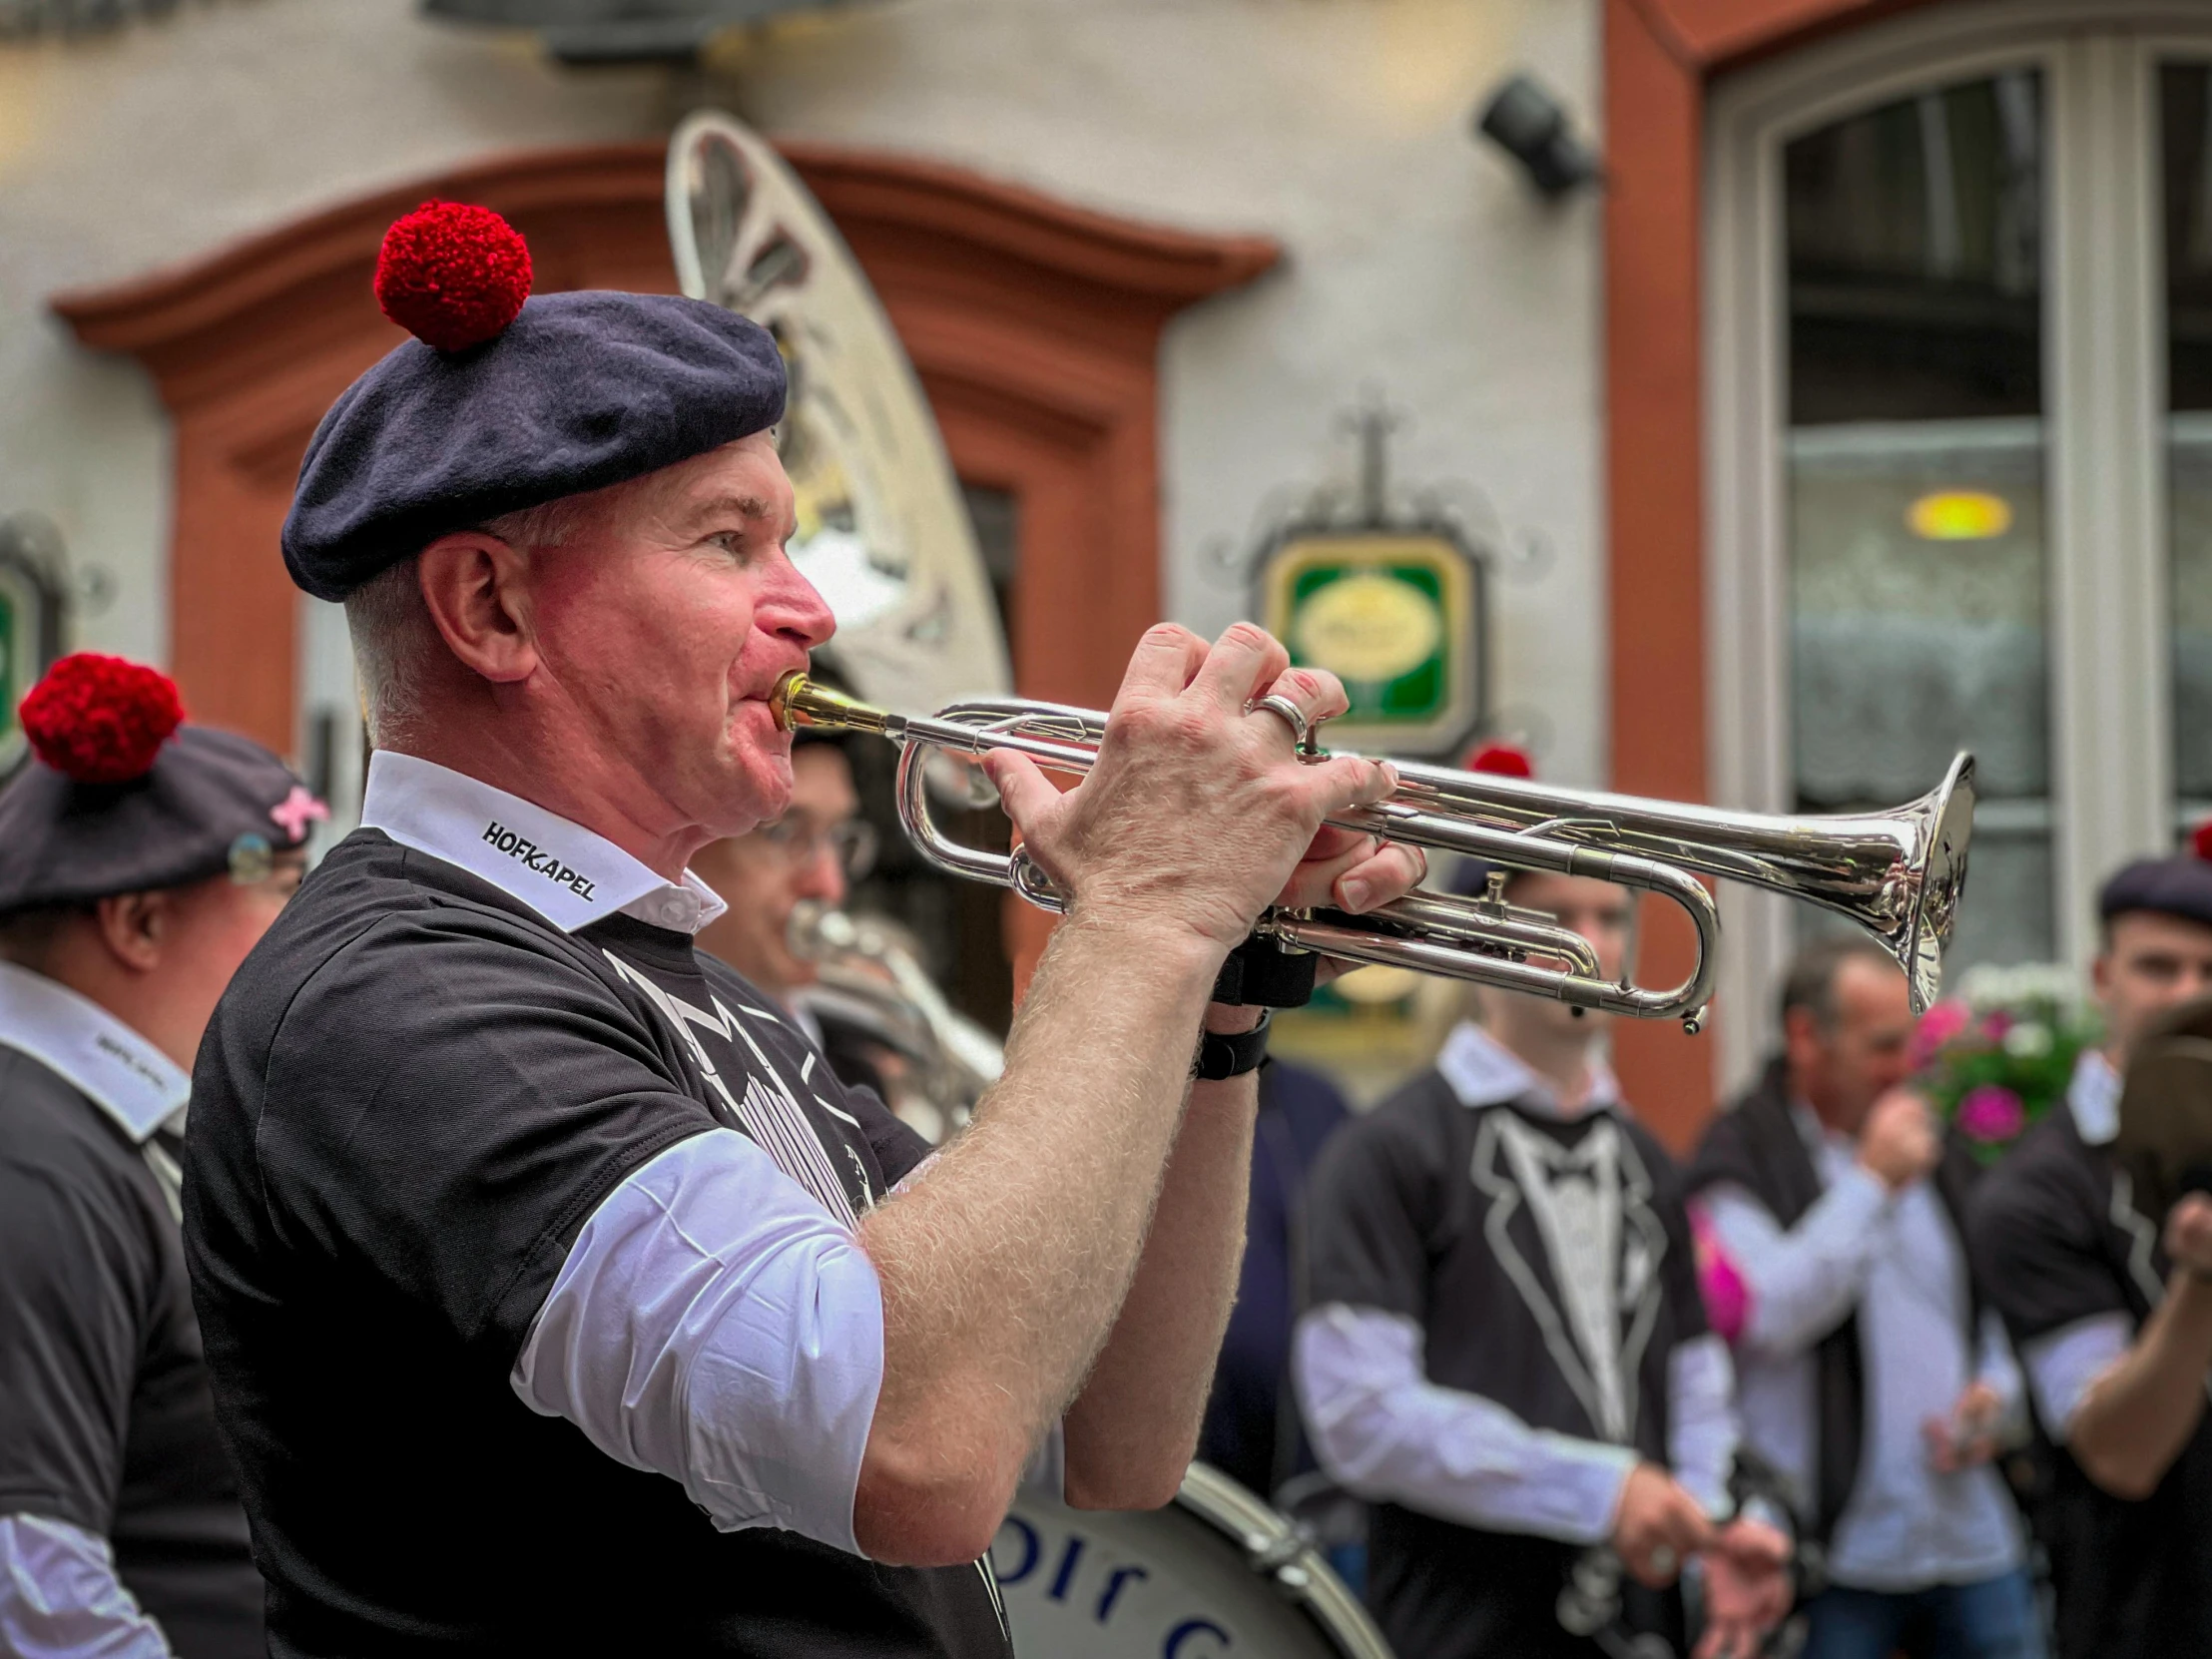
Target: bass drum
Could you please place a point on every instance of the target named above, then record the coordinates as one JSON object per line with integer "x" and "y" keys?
{"x": 1215, "y": 1574}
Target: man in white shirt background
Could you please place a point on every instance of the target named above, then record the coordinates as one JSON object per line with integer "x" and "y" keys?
{"x": 1870, "y": 1376}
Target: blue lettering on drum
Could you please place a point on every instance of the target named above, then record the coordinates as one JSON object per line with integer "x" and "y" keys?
{"x": 1190, "y": 1638}
{"x": 1188, "y": 1629}
{"x": 1069, "y": 1559}
{"x": 1114, "y": 1583}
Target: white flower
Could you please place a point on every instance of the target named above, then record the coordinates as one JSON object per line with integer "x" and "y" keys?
{"x": 1988, "y": 986}
{"x": 2028, "y": 1040}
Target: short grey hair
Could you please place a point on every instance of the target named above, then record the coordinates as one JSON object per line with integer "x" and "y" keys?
{"x": 392, "y": 628}
{"x": 1809, "y": 982}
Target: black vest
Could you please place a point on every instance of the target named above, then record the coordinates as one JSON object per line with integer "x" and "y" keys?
{"x": 1756, "y": 1145}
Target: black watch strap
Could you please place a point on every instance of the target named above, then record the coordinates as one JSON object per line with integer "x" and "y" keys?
{"x": 1220, "y": 1056}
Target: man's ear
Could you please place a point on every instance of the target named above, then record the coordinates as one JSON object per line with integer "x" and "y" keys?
{"x": 476, "y": 589}
{"x": 134, "y": 928}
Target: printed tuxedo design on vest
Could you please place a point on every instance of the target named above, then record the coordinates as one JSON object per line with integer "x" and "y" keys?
{"x": 1570, "y": 1222}
{"x": 770, "y": 1114}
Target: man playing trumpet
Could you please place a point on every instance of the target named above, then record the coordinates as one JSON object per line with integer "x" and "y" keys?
{"x": 557, "y": 1299}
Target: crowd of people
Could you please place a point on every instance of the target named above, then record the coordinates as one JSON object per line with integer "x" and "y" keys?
{"x": 1971, "y": 1398}
{"x": 470, "y": 1249}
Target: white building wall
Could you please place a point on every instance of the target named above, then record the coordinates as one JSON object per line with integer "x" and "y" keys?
{"x": 1416, "y": 262}
{"x": 124, "y": 152}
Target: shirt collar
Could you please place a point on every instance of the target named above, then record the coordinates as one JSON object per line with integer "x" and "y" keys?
{"x": 114, "y": 1067}
{"x": 1482, "y": 1071}
{"x": 570, "y": 876}
{"x": 2094, "y": 1098}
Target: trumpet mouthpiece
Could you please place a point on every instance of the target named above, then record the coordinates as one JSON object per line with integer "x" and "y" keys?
{"x": 798, "y": 700}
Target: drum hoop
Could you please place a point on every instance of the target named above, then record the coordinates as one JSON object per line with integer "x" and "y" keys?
{"x": 1275, "y": 1550}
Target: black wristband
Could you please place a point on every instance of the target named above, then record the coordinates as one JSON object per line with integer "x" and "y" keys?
{"x": 1232, "y": 1055}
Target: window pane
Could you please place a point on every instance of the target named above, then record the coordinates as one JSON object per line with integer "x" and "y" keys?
{"x": 2185, "y": 135}
{"x": 1915, "y": 477}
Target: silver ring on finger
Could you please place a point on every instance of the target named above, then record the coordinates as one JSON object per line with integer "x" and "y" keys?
{"x": 1274, "y": 703}
{"x": 1662, "y": 1561}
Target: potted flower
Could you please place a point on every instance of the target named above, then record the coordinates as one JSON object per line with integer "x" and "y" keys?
{"x": 1994, "y": 1059}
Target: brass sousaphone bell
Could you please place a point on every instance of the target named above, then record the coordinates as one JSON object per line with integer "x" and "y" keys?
{"x": 1899, "y": 875}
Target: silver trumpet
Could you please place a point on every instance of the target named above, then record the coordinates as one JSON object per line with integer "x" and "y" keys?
{"x": 1899, "y": 875}
{"x": 872, "y": 982}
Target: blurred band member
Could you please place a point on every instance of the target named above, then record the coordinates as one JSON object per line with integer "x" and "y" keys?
{"x": 2113, "y": 1321}
{"x": 1872, "y": 1374}
{"x": 1505, "y": 1351}
{"x": 140, "y": 862}
{"x": 816, "y": 850}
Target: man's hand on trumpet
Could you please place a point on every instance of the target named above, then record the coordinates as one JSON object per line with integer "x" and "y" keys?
{"x": 1199, "y": 813}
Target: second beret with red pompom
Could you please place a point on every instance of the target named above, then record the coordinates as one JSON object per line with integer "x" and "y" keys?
{"x": 120, "y": 797}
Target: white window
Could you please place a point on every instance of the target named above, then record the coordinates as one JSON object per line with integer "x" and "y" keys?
{"x": 1959, "y": 334}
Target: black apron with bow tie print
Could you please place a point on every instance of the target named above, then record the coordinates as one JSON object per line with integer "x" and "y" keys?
{"x": 1548, "y": 1262}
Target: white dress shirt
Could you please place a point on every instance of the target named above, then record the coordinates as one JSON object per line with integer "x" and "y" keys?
{"x": 713, "y": 1321}
{"x": 1387, "y": 1433}
{"x": 1897, "y": 1262}
{"x": 59, "y": 1591}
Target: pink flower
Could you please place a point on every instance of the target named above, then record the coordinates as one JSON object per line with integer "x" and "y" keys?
{"x": 1937, "y": 1027}
{"x": 1991, "y": 1114}
{"x": 1996, "y": 1024}
{"x": 1726, "y": 1295}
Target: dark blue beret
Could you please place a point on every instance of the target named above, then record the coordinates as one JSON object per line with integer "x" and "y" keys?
{"x": 2176, "y": 887}
{"x": 580, "y": 391}
{"x": 212, "y": 802}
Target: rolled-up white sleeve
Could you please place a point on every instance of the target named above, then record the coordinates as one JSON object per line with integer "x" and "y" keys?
{"x": 60, "y": 1597}
{"x": 1384, "y": 1432}
{"x": 2063, "y": 1363}
{"x": 715, "y": 1324}
{"x": 1702, "y": 1430}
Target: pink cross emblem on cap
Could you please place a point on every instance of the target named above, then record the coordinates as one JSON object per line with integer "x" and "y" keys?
{"x": 298, "y": 810}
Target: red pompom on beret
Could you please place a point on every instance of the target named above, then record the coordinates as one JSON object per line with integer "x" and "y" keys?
{"x": 452, "y": 274}
{"x": 101, "y": 720}
{"x": 1503, "y": 759}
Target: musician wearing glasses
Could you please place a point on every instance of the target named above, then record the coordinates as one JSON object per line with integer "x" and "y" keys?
{"x": 1505, "y": 1351}
{"x": 816, "y": 851}
{"x": 557, "y": 1297}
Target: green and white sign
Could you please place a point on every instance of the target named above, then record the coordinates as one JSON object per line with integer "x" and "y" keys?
{"x": 1396, "y": 616}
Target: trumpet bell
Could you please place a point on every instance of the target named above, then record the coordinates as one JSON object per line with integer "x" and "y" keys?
{"x": 1935, "y": 885}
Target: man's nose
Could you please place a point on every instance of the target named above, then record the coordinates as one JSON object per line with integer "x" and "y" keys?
{"x": 794, "y": 609}
{"x": 822, "y": 875}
